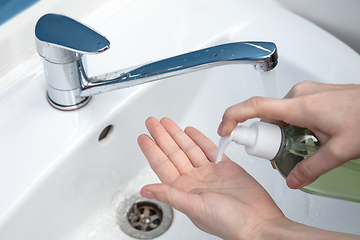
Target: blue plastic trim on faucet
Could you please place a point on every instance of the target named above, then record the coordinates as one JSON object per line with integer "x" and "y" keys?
{"x": 79, "y": 38}
{"x": 10, "y": 8}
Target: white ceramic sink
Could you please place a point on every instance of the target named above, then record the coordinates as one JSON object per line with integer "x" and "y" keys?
{"x": 58, "y": 181}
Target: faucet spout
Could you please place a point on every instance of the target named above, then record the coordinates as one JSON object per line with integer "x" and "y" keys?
{"x": 262, "y": 55}
{"x": 62, "y": 41}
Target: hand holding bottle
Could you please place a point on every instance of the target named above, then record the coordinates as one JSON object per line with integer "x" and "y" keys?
{"x": 331, "y": 111}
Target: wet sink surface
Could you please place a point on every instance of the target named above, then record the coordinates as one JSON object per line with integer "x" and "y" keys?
{"x": 59, "y": 181}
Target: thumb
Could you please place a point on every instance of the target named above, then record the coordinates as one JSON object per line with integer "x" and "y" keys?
{"x": 309, "y": 169}
{"x": 174, "y": 197}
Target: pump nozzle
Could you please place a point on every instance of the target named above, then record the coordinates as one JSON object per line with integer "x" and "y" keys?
{"x": 223, "y": 143}
{"x": 260, "y": 140}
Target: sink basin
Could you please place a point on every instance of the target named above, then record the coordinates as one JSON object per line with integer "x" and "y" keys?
{"x": 60, "y": 178}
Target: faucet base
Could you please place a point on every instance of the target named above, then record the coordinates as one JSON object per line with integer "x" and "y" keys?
{"x": 68, "y": 107}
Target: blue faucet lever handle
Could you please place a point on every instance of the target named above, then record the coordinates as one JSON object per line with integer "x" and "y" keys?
{"x": 66, "y": 33}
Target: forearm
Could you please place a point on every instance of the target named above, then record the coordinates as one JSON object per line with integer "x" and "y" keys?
{"x": 286, "y": 229}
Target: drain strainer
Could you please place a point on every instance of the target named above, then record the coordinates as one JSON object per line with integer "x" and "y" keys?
{"x": 144, "y": 218}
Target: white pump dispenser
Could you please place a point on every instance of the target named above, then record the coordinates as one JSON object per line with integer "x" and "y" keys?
{"x": 260, "y": 140}
{"x": 286, "y": 147}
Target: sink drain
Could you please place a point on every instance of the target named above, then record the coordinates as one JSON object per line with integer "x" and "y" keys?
{"x": 143, "y": 218}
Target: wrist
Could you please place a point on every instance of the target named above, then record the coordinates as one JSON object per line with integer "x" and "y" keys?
{"x": 283, "y": 228}
{"x": 272, "y": 229}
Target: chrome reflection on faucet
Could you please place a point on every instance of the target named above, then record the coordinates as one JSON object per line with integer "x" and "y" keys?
{"x": 62, "y": 41}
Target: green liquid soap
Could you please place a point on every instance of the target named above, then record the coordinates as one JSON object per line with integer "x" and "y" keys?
{"x": 286, "y": 147}
{"x": 342, "y": 182}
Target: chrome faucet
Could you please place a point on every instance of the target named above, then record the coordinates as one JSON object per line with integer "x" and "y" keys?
{"x": 62, "y": 42}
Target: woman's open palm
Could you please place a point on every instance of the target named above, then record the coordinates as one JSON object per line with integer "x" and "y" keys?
{"x": 209, "y": 194}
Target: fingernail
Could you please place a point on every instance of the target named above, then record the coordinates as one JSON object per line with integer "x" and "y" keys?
{"x": 147, "y": 194}
{"x": 219, "y": 131}
{"x": 293, "y": 182}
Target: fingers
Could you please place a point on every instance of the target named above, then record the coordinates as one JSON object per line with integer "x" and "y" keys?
{"x": 164, "y": 169}
{"x": 180, "y": 200}
{"x": 172, "y": 152}
{"x": 293, "y": 109}
{"x": 207, "y": 146}
{"x": 309, "y": 169}
{"x": 258, "y": 107}
{"x": 167, "y": 144}
{"x": 185, "y": 142}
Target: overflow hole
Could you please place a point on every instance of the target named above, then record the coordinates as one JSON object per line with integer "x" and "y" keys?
{"x": 106, "y": 133}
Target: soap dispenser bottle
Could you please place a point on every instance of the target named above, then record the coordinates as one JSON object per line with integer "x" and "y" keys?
{"x": 286, "y": 147}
